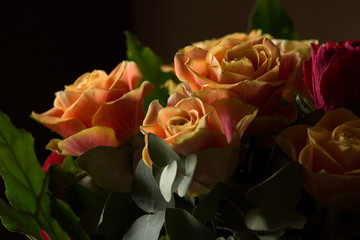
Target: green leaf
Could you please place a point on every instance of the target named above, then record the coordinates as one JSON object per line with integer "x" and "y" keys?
{"x": 68, "y": 219}
{"x": 181, "y": 225}
{"x": 282, "y": 189}
{"x": 167, "y": 179}
{"x": 146, "y": 227}
{"x": 17, "y": 160}
{"x": 149, "y": 64}
{"x": 160, "y": 152}
{"x": 274, "y": 219}
{"x": 109, "y": 167}
{"x": 65, "y": 185}
{"x": 271, "y": 18}
{"x": 146, "y": 192}
{"x": 17, "y": 221}
{"x": 119, "y": 212}
{"x": 209, "y": 204}
{"x": 25, "y": 181}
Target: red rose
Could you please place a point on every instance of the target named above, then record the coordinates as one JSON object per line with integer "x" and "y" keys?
{"x": 332, "y": 74}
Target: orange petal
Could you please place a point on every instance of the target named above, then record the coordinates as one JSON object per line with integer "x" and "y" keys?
{"x": 290, "y": 65}
{"x": 347, "y": 155}
{"x": 124, "y": 115}
{"x": 87, "y": 139}
{"x": 64, "y": 127}
{"x": 341, "y": 191}
{"x": 87, "y": 105}
{"x": 292, "y": 140}
{"x": 152, "y": 113}
{"x": 335, "y": 118}
{"x": 192, "y": 104}
{"x": 234, "y": 116}
{"x": 181, "y": 70}
{"x": 275, "y": 52}
{"x": 64, "y": 99}
{"x": 199, "y": 141}
{"x": 209, "y": 97}
{"x": 126, "y": 74}
{"x": 322, "y": 159}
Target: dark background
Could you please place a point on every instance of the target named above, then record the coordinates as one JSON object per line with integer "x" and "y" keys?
{"x": 45, "y": 46}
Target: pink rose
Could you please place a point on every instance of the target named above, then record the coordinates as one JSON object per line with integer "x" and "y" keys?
{"x": 332, "y": 75}
{"x": 97, "y": 110}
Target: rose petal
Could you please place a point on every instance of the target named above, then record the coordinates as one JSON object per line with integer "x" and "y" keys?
{"x": 95, "y": 79}
{"x": 345, "y": 154}
{"x": 64, "y": 127}
{"x": 181, "y": 70}
{"x": 87, "y": 105}
{"x": 292, "y": 140}
{"x": 126, "y": 74}
{"x": 64, "y": 99}
{"x": 323, "y": 159}
{"x": 335, "y": 118}
{"x": 327, "y": 188}
{"x": 87, "y": 139}
{"x": 124, "y": 115}
{"x": 199, "y": 141}
{"x": 234, "y": 116}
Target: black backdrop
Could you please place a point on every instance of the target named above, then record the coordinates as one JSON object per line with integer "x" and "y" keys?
{"x": 45, "y": 46}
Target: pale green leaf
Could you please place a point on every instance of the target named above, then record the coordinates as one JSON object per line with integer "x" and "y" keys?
{"x": 146, "y": 227}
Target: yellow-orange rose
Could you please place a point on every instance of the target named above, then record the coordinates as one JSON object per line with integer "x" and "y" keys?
{"x": 207, "y": 44}
{"x": 330, "y": 154}
{"x": 97, "y": 110}
{"x": 255, "y": 70}
{"x": 189, "y": 125}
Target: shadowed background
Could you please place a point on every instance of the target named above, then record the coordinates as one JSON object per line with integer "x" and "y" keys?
{"x": 45, "y": 46}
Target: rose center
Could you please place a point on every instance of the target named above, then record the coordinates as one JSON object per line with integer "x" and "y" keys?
{"x": 349, "y": 138}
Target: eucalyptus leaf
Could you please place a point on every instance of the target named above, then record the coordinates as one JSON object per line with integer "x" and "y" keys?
{"x": 146, "y": 192}
{"x": 146, "y": 227}
{"x": 119, "y": 212}
{"x": 187, "y": 168}
{"x": 282, "y": 189}
{"x": 109, "y": 167}
{"x": 182, "y": 225}
{"x": 271, "y": 17}
{"x": 160, "y": 152}
{"x": 166, "y": 180}
{"x": 150, "y": 65}
{"x": 26, "y": 192}
{"x": 274, "y": 219}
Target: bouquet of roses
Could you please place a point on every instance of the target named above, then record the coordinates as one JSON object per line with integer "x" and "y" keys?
{"x": 247, "y": 136}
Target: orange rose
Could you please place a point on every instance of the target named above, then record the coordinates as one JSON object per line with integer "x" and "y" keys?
{"x": 97, "y": 110}
{"x": 192, "y": 126}
{"x": 207, "y": 44}
{"x": 330, "y": 153}
{"x": 255, "y": 70}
